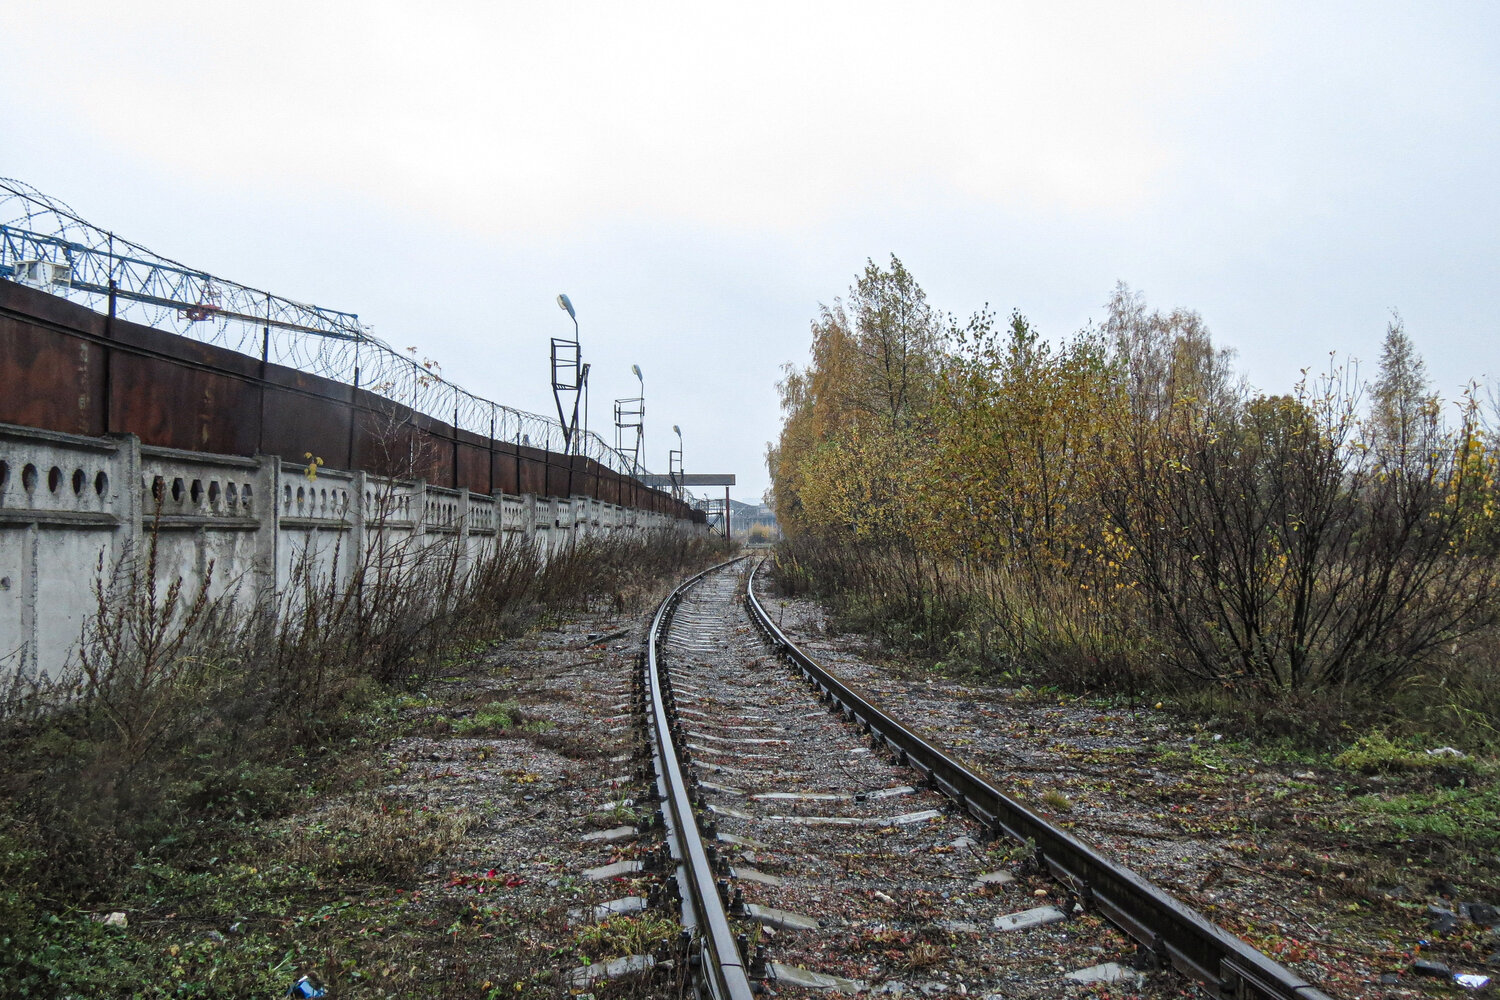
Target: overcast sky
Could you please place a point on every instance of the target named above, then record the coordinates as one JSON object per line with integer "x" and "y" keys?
{"x": 699, "y": 178}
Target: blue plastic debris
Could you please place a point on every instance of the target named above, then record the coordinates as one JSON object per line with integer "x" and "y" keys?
{"x": 306, "y": 987}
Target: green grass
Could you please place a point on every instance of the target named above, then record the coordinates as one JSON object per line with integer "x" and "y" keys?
{"x": 1467, "y": 818}
{"x": 235, "y": 930}
{"x": 1200, "y": 754}
{"x": 496, "y": 717}
{"x": 1376, "y": 753}
{"x": 1057, "y": 801}
{"x": 617, "y": 937}
{"x": 245, "y": 906}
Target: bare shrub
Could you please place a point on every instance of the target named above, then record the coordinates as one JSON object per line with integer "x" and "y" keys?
{"x": 143, "y": 645}
{"x": 502, "y": 584}
{"x": 28, "y": 694}
{"x": 1276, "y": 547}
{"x": 391, "y": 621}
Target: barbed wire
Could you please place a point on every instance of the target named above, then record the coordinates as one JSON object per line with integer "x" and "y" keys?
{"x": 46, "y": 244}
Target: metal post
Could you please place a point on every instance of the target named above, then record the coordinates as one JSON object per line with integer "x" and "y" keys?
{"x": 109, "y": 352}
{"x": 109, "y": 334}
{"x": 265, "y": 356}
{"x": 265, "y": 337}
{"x": 576, "y": 385}
{"x": 585, "y": 393}
{"x": 353, "y": 413}
{"x": 113, "y": 288}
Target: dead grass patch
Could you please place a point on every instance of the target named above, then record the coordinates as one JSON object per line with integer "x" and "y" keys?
{"x": 373, "y": 836}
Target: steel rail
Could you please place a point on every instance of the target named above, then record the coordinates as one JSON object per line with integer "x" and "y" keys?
{"x": 720, "y": 965}
{"x": 1165, "y": 928}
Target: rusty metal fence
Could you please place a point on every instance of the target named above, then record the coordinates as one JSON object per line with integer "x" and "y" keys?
{"x": 66, "y": 368}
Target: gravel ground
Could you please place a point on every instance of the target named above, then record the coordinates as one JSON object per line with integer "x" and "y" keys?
{"x": 1273, "y": 851}
{"x": 900, "y": 896}
{"x": 550, "y": 795}
{"x": 1269, "y": 849}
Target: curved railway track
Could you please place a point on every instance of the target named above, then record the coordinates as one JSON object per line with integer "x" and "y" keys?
{"x": 816, "y": 843}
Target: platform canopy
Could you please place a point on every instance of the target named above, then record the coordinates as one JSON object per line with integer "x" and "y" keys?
{"x": 691, "y": 479}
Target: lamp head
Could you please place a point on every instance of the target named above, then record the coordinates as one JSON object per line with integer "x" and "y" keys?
{"x": 566, "y": 305}
{"x": 677, "y": 430}
{"x": 637, "y": 370}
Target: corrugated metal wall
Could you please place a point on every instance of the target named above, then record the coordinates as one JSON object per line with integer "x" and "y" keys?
{"x": 66, "y": 368}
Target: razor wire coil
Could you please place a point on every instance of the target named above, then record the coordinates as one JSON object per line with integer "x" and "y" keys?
{"x": 46, "y": 244}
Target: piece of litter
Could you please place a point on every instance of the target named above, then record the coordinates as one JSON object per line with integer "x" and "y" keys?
{"x": 995, "y": 878}
{"x": 958, "y": 927}
{"x": 1471, "y": 981}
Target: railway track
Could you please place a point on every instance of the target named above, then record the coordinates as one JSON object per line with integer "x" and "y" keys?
{"x": 817, "y": 844}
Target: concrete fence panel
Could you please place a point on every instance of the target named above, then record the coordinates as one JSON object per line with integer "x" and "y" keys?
{"x": 77, "y": 510}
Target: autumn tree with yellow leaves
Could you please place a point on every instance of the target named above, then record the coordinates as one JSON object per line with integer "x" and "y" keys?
{"x": 864, "y": 398}
{"x": 1119, "y": 499}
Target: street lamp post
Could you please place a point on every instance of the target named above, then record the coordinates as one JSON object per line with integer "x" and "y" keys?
{"x": 674, "y": 464}
{"x": 640, "y": 428}
{"x": 630, "y": 414}
{"x": 569, "y": 374}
